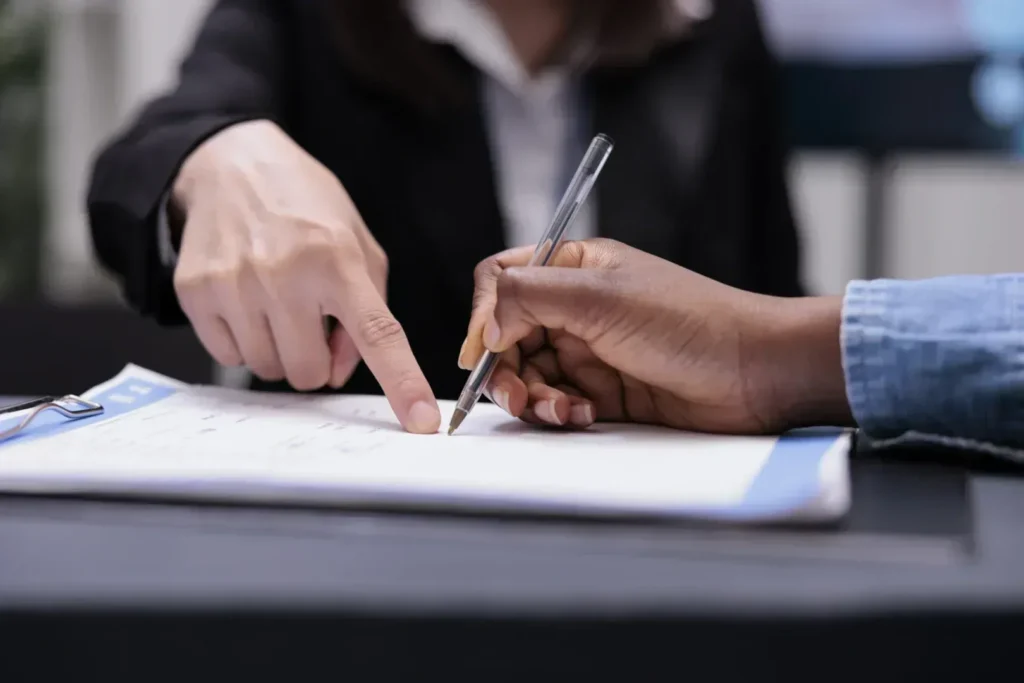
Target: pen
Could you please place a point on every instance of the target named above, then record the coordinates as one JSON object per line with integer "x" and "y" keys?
{"x": 573, "y": 199}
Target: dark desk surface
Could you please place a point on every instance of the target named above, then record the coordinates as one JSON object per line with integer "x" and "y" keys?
{"x": 90, "y": 557}
{"x": 103, "y": 554}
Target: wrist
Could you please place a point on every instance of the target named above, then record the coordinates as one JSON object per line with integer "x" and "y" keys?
{"x": 800, "y": 380}
{"x": 198, "y": 165}
{"x": 209, "y": 160}
{"x": 193, "y": 175}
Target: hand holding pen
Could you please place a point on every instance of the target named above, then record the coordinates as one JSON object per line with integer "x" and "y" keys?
{"x": 568, "y": 208}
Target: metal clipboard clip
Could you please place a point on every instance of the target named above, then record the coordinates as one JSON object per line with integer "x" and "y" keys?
{"x": 71, "y": 407}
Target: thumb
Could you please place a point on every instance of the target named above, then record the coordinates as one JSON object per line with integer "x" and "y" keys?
{"x": 485, "y": 293}
{"x": 486, "y": 276}
{"x": 577, "y": 300}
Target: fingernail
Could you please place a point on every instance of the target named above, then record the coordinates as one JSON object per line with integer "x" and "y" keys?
{"x": 462, "y": 352}
{"x": 424, "y": 418}
{"x": 500, "y": 397}
{"x": 546, "y": 411}
{"x": 582, "y": 414}
{"x": 492, "y": 334}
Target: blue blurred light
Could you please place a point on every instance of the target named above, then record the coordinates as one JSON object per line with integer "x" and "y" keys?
{"x": 998, "y": 89}
{"x": 997, "y": 25}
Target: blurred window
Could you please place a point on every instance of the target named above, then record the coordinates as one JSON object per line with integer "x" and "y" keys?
{"x": 22, "y": 99}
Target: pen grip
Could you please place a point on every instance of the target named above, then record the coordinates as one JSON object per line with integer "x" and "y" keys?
{"x": 477, "y": 382}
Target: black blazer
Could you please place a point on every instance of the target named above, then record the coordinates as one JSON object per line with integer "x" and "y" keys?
{"x": 698, "y": 175}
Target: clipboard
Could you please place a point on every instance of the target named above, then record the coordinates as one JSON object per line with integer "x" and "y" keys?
{"x": 310, "y": 450}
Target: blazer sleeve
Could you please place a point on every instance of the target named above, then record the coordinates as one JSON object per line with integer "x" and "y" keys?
{"x": 775, "y": 258}
{"x": 233, "y": 73}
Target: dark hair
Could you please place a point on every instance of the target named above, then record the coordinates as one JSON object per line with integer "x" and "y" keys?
{"x": 380, "y": 46}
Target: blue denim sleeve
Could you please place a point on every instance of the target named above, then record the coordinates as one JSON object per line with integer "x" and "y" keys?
{"x": 938, "y": 360}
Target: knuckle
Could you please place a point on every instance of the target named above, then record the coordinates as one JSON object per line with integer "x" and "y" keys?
{"x": 345, "y": 259}
{"x": 265, "y": 269}
{"x": 380, "y": 329}
{"x": 191, "y": 276}
{"x": 486, "y": 270}
{"x": 188, "y": 277}
{"x": 282, "y": 263}
{"x": 604, "y": 243}
{"x": 408, "y": 383}
{"x": 511, "y": 282}
{"x": 575, "y": 249}
{"x": 511, "y": 288}
{"x": 319, "y": 233}
{"x": 607, "y": 253}
{"x": 318, "y": 247}
{"x": 194, "y": 287}
{"x": 185, "y": 285}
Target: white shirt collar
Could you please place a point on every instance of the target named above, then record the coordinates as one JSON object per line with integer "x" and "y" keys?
{"x": 471, "y": 27}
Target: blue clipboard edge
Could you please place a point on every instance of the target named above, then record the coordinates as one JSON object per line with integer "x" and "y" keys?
{"x": 806, "y": 477}
{"x": 120, "y": 399}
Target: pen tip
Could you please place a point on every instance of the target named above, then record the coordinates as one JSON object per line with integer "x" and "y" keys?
{"x": 457, "y": 419}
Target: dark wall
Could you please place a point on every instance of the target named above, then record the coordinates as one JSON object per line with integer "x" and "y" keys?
{"x": 47, "y": 349}
{"x": 890, "y": 108}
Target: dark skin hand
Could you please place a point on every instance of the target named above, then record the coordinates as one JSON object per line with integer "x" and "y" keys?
{"x": 609, "y": 333}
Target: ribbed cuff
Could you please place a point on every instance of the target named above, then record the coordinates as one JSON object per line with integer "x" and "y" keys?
{"x": 864, "y": 350}
{"x": 939, "y": 359}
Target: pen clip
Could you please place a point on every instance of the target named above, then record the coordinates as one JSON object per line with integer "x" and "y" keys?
{"x": 70, "y": 406}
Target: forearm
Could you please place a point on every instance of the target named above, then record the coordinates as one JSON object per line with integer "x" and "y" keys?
{"x": 941, "y": 360}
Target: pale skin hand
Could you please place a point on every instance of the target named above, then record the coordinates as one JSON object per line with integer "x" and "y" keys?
{"x": 611, "y": 333}
{"x": 271, "y": 245}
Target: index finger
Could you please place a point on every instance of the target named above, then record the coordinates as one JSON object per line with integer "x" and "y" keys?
{"x": 384, "y": 347}
{"x": 485, "y": 292}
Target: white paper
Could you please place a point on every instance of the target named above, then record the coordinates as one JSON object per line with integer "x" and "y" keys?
{"x": 208, "y": 442}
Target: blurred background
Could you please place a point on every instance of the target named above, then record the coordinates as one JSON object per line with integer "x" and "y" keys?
{"x": 906, "y": 116}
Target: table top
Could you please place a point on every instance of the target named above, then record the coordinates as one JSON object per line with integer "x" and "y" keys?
{"x": 103, "y": 589}
{"x": 108, "y": 553}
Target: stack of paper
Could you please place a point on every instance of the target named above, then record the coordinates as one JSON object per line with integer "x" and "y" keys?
{"x": 163, "y": 439}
